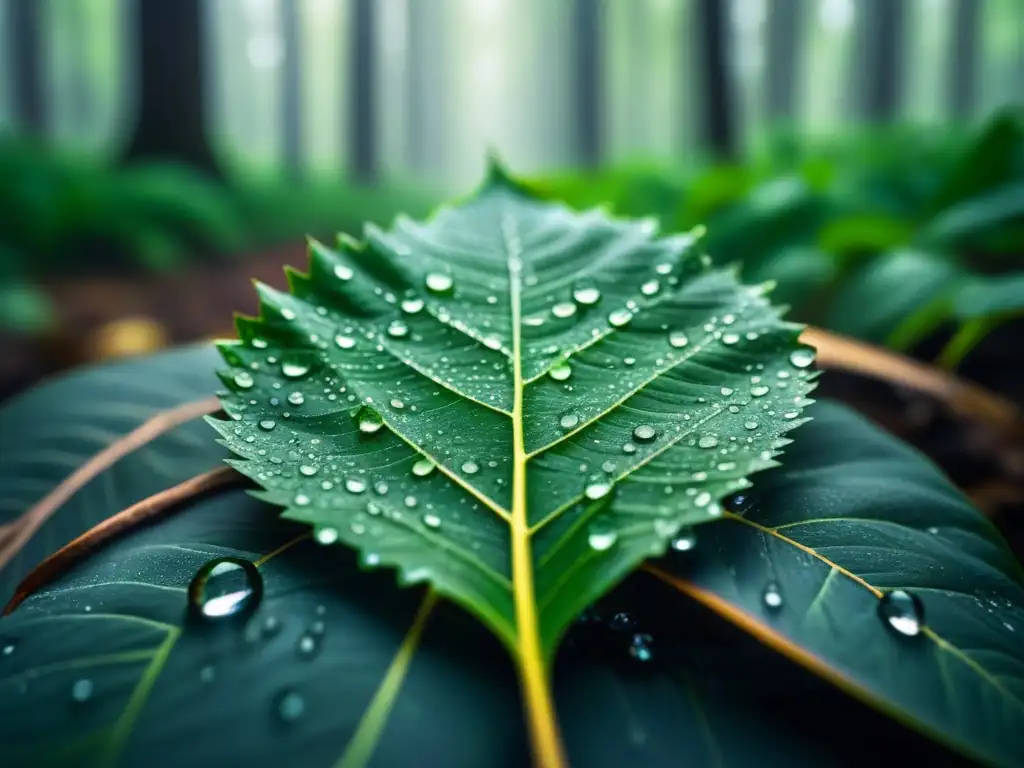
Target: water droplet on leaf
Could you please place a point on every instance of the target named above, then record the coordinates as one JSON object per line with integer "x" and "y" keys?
{"x": 640, "y": 647}
{"x": 226, "y": 586}
{"x": 771, "y": 596}
{"x": 644, "y": 433}
{"x": 600, "y": 537}
{"x": 801, "y": 358}
{"x": 82, "y": 690}
{"x": 439, "y": 282}
{"x": 678, "y": 339}
{"x": 902, "y": 611}
{"x": 560, "y": 371}
{"x": 289, "y": 705}
{"x": 586, "y": 293}
{"x": 326, "y": 535}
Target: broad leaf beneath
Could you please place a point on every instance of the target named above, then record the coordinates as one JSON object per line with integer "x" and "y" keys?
{"x": 513, "y": 402}
{"x": 851, "y": 516}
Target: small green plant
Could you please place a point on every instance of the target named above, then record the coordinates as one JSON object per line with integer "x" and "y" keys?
{"x": 563, "y": 432}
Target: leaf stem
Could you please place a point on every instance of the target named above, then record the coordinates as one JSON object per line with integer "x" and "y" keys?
{"x": 140, "y": 512}
{"x": 966, "y": 338}
{"x": 537, "y": 700}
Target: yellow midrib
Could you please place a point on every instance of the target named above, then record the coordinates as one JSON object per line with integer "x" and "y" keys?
{"x": 537, "y": 701}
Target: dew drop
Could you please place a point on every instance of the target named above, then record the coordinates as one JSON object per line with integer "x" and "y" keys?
{"x": 355, "y": 485}
{"x": 622, "y": 622}
{"x": 650, "y": 288}
{"x": 294, "y": 369}
{"x": 759, "y": 391}
{"x": 244, "y": 380}
{"x": 470, "y": 467}
{"x": 344, "y": 342}
{"x": 271, "y": 627}
{"x": 730, "y": 338}
{"x": 619, "y": 318}
{"x": 560, "y": 371}
{"x": 326, "y": 535}
{"x": 801, "y": 358}
{"x": 289, "y": 705}
{"x": 308, "y": 470}
{"x": 397, "y": 329}
{"x": 412, "y": 306}
{"x": 644, "y": 433}
{"x": 586, "y": 293}
{"x": 207, "y": 674}
{"x": 597, "y": 489}
{"x": 601, "y": 538}
{"x": 225, "y": 586}
{"x": 343, "y": 272}
{"x": 628, "y": 448}
{"x": 702, "y": 499}
{"x": 789, "y": 415}
{"x": 564, "y": 309}
{"x": 431, "y": 520}
{"x": 902, "y": 611}
{"x": 397, "y": 404}
{"x": 772, "y": 597}
{"x": 308, "y": 646}
{"x": 678, "y": 339}
{"x": 296, "y": 398}
{"x": 423, "y": 467}
{"x": 492, "y": 342}
{"x": 82, "y": 690}
{"x": 369, "y": 421}
{"x": 726, "y": 391}
{"x": 301, "y": 500}
{"x": 439, "y": 282}
{"x": 8, "y": 648}
{"x": 267, "y": 424}
{"x": 569, "y": 420}
{"x": 640, "y": 647}
{"x": 685, "y": 540}
{"x": 751, "y": 425}
{"x": 708, "y": 441}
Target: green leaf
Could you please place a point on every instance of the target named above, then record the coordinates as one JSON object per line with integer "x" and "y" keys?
{"x": 49, "y": 432}
{"x": 512, "y": 402}
{"x": 977, "y": 216}
{"x": 853, "y": 515}
{"x": 880, "y": 294}
{"x": 985, "y": 296}
{"x": 379, "y": 682}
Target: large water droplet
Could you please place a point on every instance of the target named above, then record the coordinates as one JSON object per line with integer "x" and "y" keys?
{"x": 412, "y": 305}
{"x": 431, "y": 520}
{"x": 569, "y": 420}
{"x": 470, "y": 467}
{"x": 801, "y": 358}
{"x": 423, "y": 467}
{"x": 294, "y": 369}
{"x": 82, "y": 690}
{"x": 644, "y": 433}
{"x": 344, "y": 342}
{"x": 439, "y": 282}
{"x": 296, "y": 398}
{"x": 8, "y": 647}
{"x": 650, "y": 288}
{"x": 564, "y": 309}
{"x": 308, "y": 645}
{"x": 760, "y": 391}
{"x": 730, "y": 338}
{"x": 397, "y": 329}
{"x": 601, "y": 537}
{"x": 226, "y": 586}
{"x": 244, "y": 380}
{"x": 289, "y": 705}
{"x": 640, "y": 647}
{"x": 370, "y": 422}
{"x": 343, "y": 272}
{"x": 685, "y": 540}
{"x": 355, "y": 485}
{"x": 619, "y": 318}
{"x": 560, "y": 371}
{"x": 678, "y": 339}
{"x": 326, "y": 535}
{"x": 586, "y": 293}
{"x": 772, "y": 597}
{"x": 708, "y": 441}
{"x": 902, "y": 611}
{"x": 597, "y": 489}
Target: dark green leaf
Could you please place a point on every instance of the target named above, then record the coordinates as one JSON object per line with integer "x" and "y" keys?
{"x": 164, "y": 690}
{"x": 977, "y": 216}
{"x": 881, "y": 293}
{"x": 49, "y": 432}
{"x": 985, "y": 296}
{"x": 852, "y": 515}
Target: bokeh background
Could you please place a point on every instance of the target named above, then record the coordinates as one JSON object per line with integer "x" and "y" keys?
{"x": 157, "y": 154}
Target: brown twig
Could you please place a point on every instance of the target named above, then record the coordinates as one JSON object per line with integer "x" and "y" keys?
{"x": 845, "y": 354}
{"x": 32, "y": 520}
{"x": 141, "y": 512}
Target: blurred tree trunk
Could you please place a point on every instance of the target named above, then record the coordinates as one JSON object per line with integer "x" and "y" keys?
{"x": 711, "y": 33}
{"x": 783, "y": 60}
{"x": 587, "y": 62}
{"x": 362, "y": 108}
{"x": 171, "y": 82}
{"x": 881, "y": 28}
{"x": 291, "y": 85}
{"x": 425, "y": 91}
{"x": 964, "y": 56}
{"x": 24, "y": 25}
